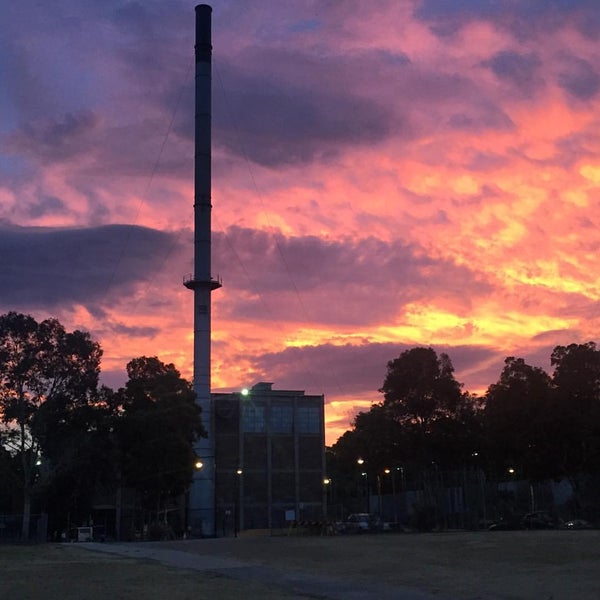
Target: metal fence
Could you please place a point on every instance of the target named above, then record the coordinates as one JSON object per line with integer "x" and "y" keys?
{"x": 11, "y": 528}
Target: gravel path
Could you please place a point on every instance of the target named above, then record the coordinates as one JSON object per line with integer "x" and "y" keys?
{"x": 298, "y": 582}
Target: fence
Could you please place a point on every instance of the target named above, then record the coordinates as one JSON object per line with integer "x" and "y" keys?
{"x": 11, "y": 528}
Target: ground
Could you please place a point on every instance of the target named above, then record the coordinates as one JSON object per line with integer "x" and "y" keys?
{"x": 511, "y": 565}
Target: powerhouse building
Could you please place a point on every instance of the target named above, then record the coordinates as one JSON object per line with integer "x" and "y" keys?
{"x": 269, "y": 457}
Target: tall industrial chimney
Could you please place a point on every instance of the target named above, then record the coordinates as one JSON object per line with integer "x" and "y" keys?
{"x": 201, "y": 516}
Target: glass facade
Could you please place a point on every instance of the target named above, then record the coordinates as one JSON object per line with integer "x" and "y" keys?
{"x": 282, "y": 418}
{"x": 270, "y": 458}
{"x": 253, "y": 418}
{"x": 308, "y": 419}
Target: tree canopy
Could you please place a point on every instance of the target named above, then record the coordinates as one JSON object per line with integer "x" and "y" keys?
{"x": 42, "y": 368}
{"x": 420, "y": 387}
{"x": 64, "y": 439}
{"x": 520, "y": 422}
{"x": 424, "y": 420}
{"x": 576, "y": 380}
{"x": 158, "y": 426}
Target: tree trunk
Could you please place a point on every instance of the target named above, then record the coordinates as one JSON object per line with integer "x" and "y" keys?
{"x": 26, "y": 514}
{"x": 26, "y": 463}
{"x": 118, "y": 508}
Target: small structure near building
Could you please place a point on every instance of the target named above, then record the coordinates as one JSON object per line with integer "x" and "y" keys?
{"x": 269, "y": 457}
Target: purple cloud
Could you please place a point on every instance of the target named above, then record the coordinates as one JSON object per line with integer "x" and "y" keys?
{"x": 579, "y": 79}
{"x": 54, "y": 267}
{"x": 333, "y": 368}
{"x": 344, "y": 282}
{"x": 522, "y": 19}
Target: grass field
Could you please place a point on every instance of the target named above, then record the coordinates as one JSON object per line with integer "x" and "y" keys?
{"x": 515, "y": 565}
{"x": 49, "y": 572}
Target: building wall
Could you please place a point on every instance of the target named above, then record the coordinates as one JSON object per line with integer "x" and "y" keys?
{"x": 270, "y": 458}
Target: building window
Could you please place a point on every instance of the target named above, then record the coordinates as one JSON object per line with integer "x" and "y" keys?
{"x": 308, "y": 419}
{"x": 282, "y": 419}
{"x": 253, "y": 418}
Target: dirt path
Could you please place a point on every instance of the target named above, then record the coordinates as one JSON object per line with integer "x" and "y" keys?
{"x": 544, "y": 565}
{"x": 297, "y": 582}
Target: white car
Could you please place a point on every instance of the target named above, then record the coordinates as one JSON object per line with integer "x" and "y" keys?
{"x": 362, "y": 522}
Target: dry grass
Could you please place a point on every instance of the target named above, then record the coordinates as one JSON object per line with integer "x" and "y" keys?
{"x": 516, "y": 565}
{"x": 557, "y": 565}
{"x": 47, "y": 572}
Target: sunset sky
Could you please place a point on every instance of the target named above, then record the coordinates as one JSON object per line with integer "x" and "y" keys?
{"x": 385, "y": 175}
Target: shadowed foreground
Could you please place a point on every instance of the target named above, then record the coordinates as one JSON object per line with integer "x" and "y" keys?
{"x": 557, "y": 565}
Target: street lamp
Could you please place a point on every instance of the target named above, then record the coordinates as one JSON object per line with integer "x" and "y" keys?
{"x": 365, "y": 487}
{"x": 326, "y": 499}
{"x": 390, "y": 472}
{"x": 237, "y": 516}
{"x": 365, "y": 477}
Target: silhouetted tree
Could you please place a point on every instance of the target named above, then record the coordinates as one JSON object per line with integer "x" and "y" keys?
{"x": 521, "y": 423}
{"x": 376, "y": 439}
{"x": 157, "y": 428}
{"x": 419, "y": 387}
{"x": 40, "y": 363}
{"x": 79, "y": 454}
{"x": 12, "y": 481}
{"x": 577, "y": 382}
{"x": 439, "y": 422}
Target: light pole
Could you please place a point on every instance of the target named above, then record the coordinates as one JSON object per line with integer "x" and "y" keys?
{"x": 393, "y": 478}
{"x": 365, "y": 483}
{"x": 326, "y": 499}
{"x": 365, "y": 478}
{"x": 237, "y": 506}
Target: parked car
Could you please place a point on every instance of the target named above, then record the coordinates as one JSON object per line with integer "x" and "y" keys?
{"x": 506, "y": 523}
{"x": 363, "y": 522}
{"x": 577, "y": 524}
{"x": 539, "y": 519}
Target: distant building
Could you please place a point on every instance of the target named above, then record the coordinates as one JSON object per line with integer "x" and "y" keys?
{"x": 269, "y": 457}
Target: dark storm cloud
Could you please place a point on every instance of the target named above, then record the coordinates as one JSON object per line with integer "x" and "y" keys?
{"x": 580, "y": 79}
{"x": 47, "y": 267}
{"x": 517, "y": 68}
{"x": 281, "y": 105}
{"x": 348, "y": 281}
{"x": 273, "y": 122}
{"x": 521, "y": 18}
{"x": 52, "y": 140}
{"x": 332, "y": 368}
{"x": 47, "y": 205}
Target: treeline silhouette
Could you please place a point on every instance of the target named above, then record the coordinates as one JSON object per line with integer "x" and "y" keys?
{"x": 529, "y": 426}
{"x": 67, "y": 443}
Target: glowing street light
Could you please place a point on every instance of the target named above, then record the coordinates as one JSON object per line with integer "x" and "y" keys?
{"x": 388, "y": 471}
